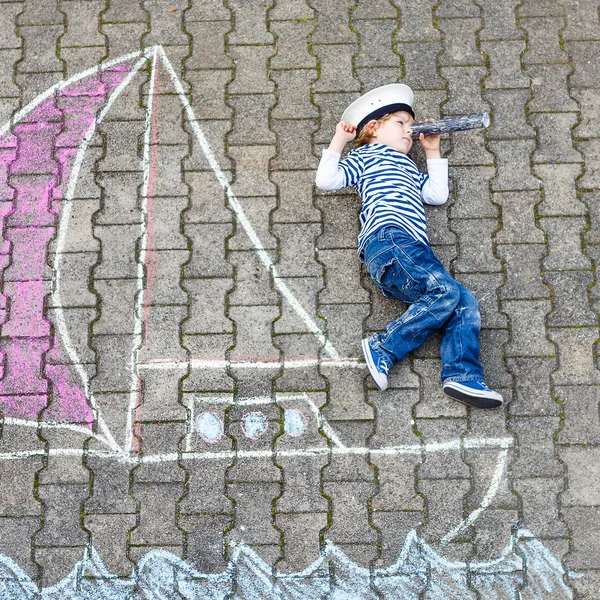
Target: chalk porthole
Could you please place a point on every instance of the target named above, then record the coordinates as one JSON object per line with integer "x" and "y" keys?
{"x": 293, "y": 422}
{"x": 254, "y": 424}
{"x": 210, "y": 427}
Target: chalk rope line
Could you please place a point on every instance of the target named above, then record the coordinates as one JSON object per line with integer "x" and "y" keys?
{"x": 332, "y": 357}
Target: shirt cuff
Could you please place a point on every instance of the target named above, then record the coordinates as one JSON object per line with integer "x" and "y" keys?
{"x": 332, "y": 153}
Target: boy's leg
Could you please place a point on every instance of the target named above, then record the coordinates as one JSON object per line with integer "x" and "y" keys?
{"x": 408, "y": 270}
{"x": 462, "y": 373}
{"x": 459, "y": 346}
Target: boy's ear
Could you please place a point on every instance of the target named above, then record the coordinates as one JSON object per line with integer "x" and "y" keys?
{"x": 372, "y": 126}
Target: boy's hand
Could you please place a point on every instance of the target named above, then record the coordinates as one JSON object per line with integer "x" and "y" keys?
{"x": 344, "y": 133}
{"x": 430, "y": 144}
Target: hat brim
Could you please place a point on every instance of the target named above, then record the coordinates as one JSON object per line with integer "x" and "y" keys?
{"x": 385, "y": 110}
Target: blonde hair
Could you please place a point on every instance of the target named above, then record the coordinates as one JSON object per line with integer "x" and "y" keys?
{"x": 366, "y": 135}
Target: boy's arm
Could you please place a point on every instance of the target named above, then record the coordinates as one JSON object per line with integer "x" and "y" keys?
{"x": 435, "y": 189}
{"x": 329, "y": 176}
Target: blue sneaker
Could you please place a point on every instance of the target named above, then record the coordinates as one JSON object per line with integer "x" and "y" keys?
{"x": 377, "y": 367}
{"x": 473, "y": 393}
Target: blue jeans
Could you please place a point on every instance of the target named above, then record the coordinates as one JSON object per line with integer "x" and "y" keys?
{"x": 406, "y": 269}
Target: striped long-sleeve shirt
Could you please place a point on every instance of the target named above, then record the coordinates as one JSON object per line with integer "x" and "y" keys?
{"x": 390, "y": 185}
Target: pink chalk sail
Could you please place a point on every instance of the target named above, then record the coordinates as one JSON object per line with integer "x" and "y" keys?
{"x": 36, "y": 161}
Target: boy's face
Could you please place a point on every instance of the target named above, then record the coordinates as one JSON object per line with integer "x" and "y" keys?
{"x": 395, "y": 132}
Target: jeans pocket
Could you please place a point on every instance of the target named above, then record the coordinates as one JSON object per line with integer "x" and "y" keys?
{"x": 395, "y": 281}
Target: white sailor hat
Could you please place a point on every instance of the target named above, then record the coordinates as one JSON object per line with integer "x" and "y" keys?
{"x": 379, "y": 102}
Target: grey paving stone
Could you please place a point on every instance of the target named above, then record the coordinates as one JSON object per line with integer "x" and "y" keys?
{"x": 570, "y": 297}
{"x": 109, "y": 492}
{"x": 460, "y": 42}
{"x": 208, "y": 45}
{"x": 539, "y": 8}
{"x": 419, "y": 60}
{"x": 499, "y": 20}
{"x": 294, "y": 263}
{"x": 293, "y": 50}
{"x": 444, "y": 500}
{"x": 8, "y": 34}
{"x": 375, "y": 48}
{"x": 62, "y": 505}
{"x": 434, "y": 403}
{"x": 475, "y": 248}
{"x": 114, "y": 354}
{"x": 484, "y": 464}
{"x": 293, "y": 94}
{"x": 560, "y": 195}
{"x": 83, "y": 20}
{"x": 441, "y": 465}
{"x": 340, "y": 225}
{"x": 116, "y": 301}
{"x": 165, "y": 23}
{"x": 301, "y": 539}
{"x": 581, "y": 522}
{"x": 205, "y": 489}
{"x": 519, "y": 223}
{"x": 54, "y": 561}
{"x": 302, "y": 489}
{"x": 16, "y": 542}
{"x": 331, "y": 106}
{"x": 212, "y": 347}
{"x": 504, "y": 62}
{"x": 335, "y": 62}
{"x": 533, "y": 393}
{"x": 543, "y": 40}
{"x": 75, "y": 269}
{"x": 332, "y": 22}
{"x": 566, "y": 253}
{"x": 343, "y": 403}
{"x": 123, "y": 38}
{"x": 161, "y": 404}
{"x": 489, "y": 544}
{"x": 252, "y": 173}
{"x": 464, "y": 85}
{"x": 513, "y": 166}
{"x": 349, "y": 519}
{"x": 590, "y": 149}
{"x": 582, "y": 481}
{"x": 522, "y": 265}
{"x": 471, "y": 196}
{"x": 580, "y": 404}
{"x": 157, "y": 522}
{"x": 341, "y": 276}
{"x": 554, "y": 138}
{"x": 250, "y": 72}
{"x": 204, "y": 541}
{"x": 382, "y": 9}
{"x": 207, "y": 198}
{"x": 295, "y": 144}
{"x": 208, "y": 250}
{"x": 535, "y": 454}
{"x": 253, "y": 503}
{"x": 527, "y": 318}
{"x": 551, "y": 92}
{"x": 509, "y": 121}
{"x": 9, "y": 57}
{"x": 18, "y": 498}
{"x": 251, "y": 119}
{"x": 541, "y": 509}
{"x": 416, "y": 22}
{"x": 304, "y": 290}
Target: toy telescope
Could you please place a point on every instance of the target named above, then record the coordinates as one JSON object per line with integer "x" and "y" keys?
{"x": 451, "y": 124}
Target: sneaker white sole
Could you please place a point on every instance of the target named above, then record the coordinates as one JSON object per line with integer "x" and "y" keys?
{"x": 380, "y": 379}
{"x": 471, "y": 397}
